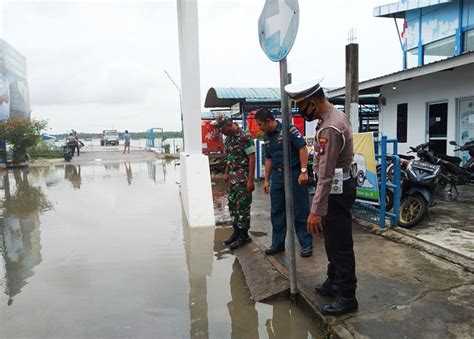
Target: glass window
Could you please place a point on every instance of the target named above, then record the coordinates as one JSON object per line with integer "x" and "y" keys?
{"x": 412, "y": 58}
{"x": 402, "y": 122}
{"x": 469, "y": 41}
{"x": 439, "y": 50}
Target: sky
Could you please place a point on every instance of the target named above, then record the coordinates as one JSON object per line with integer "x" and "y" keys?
{"x": 95, "y": 65}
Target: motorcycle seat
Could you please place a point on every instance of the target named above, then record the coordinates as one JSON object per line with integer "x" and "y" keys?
{"x": 454, "y": 160}
{"x": 406, "y": 157}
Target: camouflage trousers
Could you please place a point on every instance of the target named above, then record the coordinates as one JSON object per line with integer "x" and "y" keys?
{"x": 239, "y": 205}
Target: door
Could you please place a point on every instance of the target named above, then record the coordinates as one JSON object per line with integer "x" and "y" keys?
{"x": 438, "y": 127}
{"x": 466, "y": 124}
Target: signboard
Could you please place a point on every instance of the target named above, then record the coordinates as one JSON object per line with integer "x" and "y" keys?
{"x": 277, "y": 27}
{"x": 364, "y": 156}
{"x": 14, "y": 93}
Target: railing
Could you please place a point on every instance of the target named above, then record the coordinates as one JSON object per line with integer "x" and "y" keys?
{"x": 379, "y": 214}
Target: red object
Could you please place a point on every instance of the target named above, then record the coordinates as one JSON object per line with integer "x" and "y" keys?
{"x": 298, "y": 121}
{"x": 211, "y": 138}
{"x": 252, "y": 126}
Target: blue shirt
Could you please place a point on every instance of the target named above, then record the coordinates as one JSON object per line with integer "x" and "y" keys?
{"x": 274, "y": 146}
{"x": 127, "y": 137}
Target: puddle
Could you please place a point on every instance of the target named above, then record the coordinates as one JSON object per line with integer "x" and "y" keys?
{"x": 101, "y": 251}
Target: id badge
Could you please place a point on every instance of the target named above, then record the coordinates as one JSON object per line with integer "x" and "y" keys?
{"x": 337, "y": 182}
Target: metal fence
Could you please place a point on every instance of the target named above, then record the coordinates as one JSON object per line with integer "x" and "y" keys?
{"x": 379, "y": 214}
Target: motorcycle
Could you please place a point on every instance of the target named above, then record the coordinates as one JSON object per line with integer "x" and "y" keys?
{"x": 68, "y": 151}
{"x": 418, "y": 189}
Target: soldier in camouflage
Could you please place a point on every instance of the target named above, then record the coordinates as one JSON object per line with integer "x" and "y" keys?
{"x": 239, "y": 175}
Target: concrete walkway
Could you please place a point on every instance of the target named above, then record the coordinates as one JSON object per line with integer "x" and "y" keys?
{"x": 402, "y": 291}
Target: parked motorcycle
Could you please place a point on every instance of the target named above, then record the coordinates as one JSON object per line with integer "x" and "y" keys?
{"x": 418, "y": 189}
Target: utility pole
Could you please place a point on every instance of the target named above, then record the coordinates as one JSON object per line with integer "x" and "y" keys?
{"x": 180, "y": 105}
{"x": 352, "y": 80}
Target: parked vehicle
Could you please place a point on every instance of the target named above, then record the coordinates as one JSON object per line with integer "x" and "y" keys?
{"x": 418, "y": 191}
{"x": 109, "y": 137}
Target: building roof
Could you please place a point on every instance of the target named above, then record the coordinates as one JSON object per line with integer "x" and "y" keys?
{"x": 372, "y": 86}
{"x": 226, "y": 97}
{"x": 398, "y": 9}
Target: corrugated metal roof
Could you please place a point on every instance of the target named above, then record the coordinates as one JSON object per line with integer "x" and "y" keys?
{"x": 398, "y": 9}
{"x": 433, "y": 67}
{"x": 228, "y": 96}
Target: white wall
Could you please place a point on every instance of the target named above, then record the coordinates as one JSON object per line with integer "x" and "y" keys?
{"x": 417, "y": 93}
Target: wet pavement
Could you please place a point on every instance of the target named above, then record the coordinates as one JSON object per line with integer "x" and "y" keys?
{"x": 403, "y": 292}
{"x": 100, "y": 250}
{"x": 450, "y": 223}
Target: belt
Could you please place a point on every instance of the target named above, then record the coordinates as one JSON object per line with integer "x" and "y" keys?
{"x": 281, "y": 169}
{"x": 345, "y": 175}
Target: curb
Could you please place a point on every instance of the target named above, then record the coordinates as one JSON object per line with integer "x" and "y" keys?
{"x": 330, "y": 325}
{"x": 400, "y": 236}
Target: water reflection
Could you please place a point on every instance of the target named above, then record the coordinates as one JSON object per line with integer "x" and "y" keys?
{"x": 20, "y": 243}
{"x": 280, "y": 319}
{"x": 73, "y": 174}
{"x": 128, "y": 171}
{"x": 199, "y": 242}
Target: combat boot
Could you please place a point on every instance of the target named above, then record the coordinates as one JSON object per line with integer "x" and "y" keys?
{"x": 326, "y": 288}
{"x": 242, "y": 239}
{"x": 340, "y": 306}
{"x": 233, "y": 236}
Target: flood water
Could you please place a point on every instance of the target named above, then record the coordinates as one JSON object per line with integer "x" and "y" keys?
{"x": 101, "y": 251}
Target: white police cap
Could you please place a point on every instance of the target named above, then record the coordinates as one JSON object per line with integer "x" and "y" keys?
{"x": 301, "y": 91}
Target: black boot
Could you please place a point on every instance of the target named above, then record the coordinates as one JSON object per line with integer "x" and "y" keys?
{"x": 326, "y": 288}
{"x": 272, "y": 250}
{"x": 233, "y": 236}
{"x": 340, "y": 306}
{"x": 243, "y": 239}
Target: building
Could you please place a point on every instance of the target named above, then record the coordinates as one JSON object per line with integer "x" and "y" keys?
{"x": 432, "y": 98}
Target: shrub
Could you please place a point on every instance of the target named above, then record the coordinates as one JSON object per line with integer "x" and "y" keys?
{"x": 21, "y": 134}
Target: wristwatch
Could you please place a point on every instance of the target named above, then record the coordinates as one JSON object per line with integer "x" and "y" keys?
{"x": 304, "y": 170}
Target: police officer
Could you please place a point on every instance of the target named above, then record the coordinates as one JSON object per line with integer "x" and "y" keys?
{"x": 335, "y": 194}
{"x": 239, "y": 174}
{"x": 274, "y": 170}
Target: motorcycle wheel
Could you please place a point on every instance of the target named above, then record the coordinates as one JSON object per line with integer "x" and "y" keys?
{"x": 389, "y": 198}
{"x": 412, "y": 210}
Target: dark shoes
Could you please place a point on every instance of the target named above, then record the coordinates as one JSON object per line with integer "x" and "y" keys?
{"x": 306, "y": 252}
{"x": 233, "y": 237}
{"x": 242, "y": 239}
{"x": 325, "y": 289}
{"x": 272, "y": 250}
{"x": 340, "y": 305}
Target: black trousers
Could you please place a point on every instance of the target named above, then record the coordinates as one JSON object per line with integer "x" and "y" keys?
{"x": 338, "y": 240}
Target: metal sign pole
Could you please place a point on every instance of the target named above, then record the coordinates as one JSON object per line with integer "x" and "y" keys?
{"x": 290, "y": 229}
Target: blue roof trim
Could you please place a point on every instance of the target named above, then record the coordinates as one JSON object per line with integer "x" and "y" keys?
{"x": 398, "y": 9}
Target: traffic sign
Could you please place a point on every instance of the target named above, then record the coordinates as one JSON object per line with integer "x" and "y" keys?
{"x": 277, "y": 27}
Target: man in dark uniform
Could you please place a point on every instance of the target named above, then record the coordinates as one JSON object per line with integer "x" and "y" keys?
{"x": 335, "y": 194}
{"x": 274, "y": 170}
{"x": 239, "y": 175}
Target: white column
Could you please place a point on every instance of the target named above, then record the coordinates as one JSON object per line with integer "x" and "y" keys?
{"x": 196, "y": 193}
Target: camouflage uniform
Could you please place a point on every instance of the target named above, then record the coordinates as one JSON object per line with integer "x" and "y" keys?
{"x": 237, "y": 149}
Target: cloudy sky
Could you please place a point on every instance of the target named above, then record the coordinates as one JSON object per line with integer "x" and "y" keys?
{"x": 96, "y": 65}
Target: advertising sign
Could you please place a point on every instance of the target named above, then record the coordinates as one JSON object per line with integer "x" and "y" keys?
{"x": 364, "y": 156}
{"x": 14, "y": 93}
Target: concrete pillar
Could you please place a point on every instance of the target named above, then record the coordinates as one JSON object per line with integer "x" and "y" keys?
{"x": 196, "y": 193}
{"x": 352, "y": 85}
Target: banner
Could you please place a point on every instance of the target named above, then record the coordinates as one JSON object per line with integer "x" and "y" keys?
{"x": 14, "y": 93}
{"x": 364, "y": 156}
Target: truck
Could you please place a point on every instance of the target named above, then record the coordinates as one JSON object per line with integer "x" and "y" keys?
{"x": 109, "y": 137}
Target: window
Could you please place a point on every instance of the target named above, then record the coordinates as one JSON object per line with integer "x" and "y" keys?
{"x": 439, "y": 50}
{"x": 469, "y": 41}
{"x": 412, "y": 58}
{"x": 402, "y": 122}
